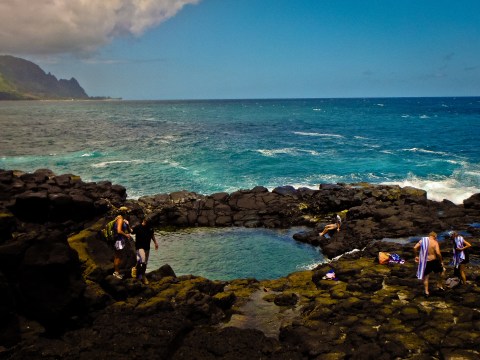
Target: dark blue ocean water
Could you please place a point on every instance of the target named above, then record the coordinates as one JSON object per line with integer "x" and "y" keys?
{"x": 154, "y": 147}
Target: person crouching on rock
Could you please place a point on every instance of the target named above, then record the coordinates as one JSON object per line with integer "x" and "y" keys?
{"x": 143, "y": 235}
{"x": 460, "y": 256}
{"x": 336, "y": 223}
{"x": 121, "y": 230}
{"x": 429, "y": 258}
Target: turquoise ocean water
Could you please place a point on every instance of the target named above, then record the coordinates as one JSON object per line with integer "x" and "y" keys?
{"x": 154, "y": 147}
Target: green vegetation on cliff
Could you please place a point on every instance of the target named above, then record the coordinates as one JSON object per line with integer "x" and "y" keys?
{"x": 21, "y": 79}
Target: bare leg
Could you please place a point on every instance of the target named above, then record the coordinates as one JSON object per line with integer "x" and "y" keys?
{"x": 116, "y": 263}
{"x": 463, "y": 276}
{"x": 425, "y": 284}
{"x": 441, "y": 280}
{"x": 328, "y": 228}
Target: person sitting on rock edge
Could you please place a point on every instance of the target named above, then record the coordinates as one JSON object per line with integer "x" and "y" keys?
{"x": 121, "y": 230}
{"x": 336, "y": 223}
{"x": 429, "y": 258}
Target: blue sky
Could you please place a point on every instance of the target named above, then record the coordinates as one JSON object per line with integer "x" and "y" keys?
{"x": 218, "y": 49}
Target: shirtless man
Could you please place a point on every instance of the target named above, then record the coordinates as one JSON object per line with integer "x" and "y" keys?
{"x": 429, "y": 258}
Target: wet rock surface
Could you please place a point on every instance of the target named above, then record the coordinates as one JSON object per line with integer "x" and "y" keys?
{"x": 59, "y": 299}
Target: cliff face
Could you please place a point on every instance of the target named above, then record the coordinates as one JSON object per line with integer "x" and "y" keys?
{"x": 21, "y": 79}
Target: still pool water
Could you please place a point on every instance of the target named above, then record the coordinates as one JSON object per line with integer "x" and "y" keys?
{"x": 233, "y": 253}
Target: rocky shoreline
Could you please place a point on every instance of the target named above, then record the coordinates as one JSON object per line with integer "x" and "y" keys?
{"x": 60, "y": 300}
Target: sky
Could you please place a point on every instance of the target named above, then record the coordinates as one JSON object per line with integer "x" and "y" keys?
{"x": 244, "y": 49}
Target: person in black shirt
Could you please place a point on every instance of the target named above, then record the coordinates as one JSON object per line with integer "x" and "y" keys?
{"x": 144, "y": 234}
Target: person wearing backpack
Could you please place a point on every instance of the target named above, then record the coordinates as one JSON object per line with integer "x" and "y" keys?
{"x": 121, "y": 231}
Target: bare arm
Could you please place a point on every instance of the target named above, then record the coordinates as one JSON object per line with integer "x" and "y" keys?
{"x": 466, "y": 245}
{"x": 416, "y": 250}
{"x": 438, "y": 254}
{"x": 120, "y": 227}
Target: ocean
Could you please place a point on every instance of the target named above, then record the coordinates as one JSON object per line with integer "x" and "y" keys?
{"x": 153, "y": 147}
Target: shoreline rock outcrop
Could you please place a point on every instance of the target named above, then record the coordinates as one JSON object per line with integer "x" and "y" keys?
{"x": 370, "y": 212}
{"x": 59, "y": 299}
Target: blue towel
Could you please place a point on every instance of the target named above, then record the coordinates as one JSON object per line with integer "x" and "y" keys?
{"x": 422, "y": 257}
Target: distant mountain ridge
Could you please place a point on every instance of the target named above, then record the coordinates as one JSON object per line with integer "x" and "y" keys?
{"x": 21, "y": 79}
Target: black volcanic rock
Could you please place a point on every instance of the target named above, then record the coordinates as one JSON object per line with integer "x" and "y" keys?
{"x": 60, "y": 300}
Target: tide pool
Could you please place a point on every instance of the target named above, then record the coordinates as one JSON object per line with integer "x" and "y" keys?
{"x": 231, "y": 253}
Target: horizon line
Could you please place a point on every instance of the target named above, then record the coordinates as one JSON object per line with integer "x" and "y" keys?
{"x": 292, "y": 98}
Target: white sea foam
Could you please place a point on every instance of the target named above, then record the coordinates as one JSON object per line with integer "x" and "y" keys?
{"x": 424, "y": 117}
{"x": 475, "y": 173}
{"x": 274, "y": 152}
{"x": 312, "y": 266}
{"x": 175, "y": 164}
{"x": 455, "y": 162}
{"x": 316, "y": 109}
{"x": 317, "y": 134}
{"x": 311, "y": 152}
{"x": 167, "y": 139}
{"x": 438, "y": 190}
{"x": 420, "y": 150}
{"x": 113, "y": 162}
{"x": 372, "y": 146}
{"x": 287, "y": 151}
{"x": 349, "y": 252}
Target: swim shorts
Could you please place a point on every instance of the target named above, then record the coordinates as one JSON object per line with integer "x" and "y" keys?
{"x": 433, "y": 265}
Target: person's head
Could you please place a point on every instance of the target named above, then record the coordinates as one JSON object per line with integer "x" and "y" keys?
{"x": 433, "y": 234}
{"x": 123, "y": 211}
{"x": 142, "y": 219}
{"x": 452, "y": 234}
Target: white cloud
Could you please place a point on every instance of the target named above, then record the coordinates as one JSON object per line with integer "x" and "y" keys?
{"x": 77, "y": 26}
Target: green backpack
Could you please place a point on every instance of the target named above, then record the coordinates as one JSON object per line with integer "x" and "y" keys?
{"x": 109, "y": 231}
